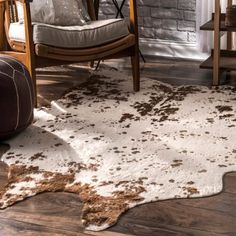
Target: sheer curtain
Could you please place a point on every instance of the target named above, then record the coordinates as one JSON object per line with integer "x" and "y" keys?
{"x": 204, "y": 9}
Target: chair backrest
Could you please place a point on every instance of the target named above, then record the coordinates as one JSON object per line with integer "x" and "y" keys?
{"x": 11, "y": 12}
{"x": 91, "y": 10}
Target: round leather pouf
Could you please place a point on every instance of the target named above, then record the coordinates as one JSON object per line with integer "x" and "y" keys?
{"x": 16, "y": 97}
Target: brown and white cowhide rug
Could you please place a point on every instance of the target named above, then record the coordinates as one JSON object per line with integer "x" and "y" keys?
{"x": 118, "y": 149}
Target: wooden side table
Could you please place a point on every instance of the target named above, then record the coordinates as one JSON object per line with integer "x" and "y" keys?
{"x": 220, "y": 60}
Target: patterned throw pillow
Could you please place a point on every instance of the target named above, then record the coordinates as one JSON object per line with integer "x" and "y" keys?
{"x": 56, "y": 12}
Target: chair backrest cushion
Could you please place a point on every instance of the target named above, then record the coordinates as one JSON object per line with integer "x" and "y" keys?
{"x": 56, "y": 12}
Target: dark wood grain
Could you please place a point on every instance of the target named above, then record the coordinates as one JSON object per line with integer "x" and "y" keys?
{"x": 3, "y": 166}
{"x": 13, "y": 227}
{"x": 59, "y": 213}
{"x": 178, "y": 217}
{"x": 229, "y": 184}
{"x": 227, "y": 61}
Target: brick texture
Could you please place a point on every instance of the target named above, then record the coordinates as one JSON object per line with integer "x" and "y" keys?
{"x": 173, "y": 20}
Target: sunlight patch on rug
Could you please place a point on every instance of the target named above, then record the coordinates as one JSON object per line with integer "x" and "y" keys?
{"x": 118, "y": 149}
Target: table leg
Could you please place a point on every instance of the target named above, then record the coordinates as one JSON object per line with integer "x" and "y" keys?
{"x": 229, "y": 34}
{"x": 216, "y": 56}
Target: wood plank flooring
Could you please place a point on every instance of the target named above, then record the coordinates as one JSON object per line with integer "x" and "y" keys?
{"x": 50, "y": 214}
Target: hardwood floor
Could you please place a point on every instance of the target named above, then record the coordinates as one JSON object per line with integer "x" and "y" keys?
{"x": 59, "y": 213}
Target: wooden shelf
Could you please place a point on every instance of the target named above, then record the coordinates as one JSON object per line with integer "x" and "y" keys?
{"x": 209, "y": 26}
{"x": 227, "y": 61}
{"x": 220, "y": 59}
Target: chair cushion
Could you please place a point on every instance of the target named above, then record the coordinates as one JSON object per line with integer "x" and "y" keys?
{"x": 94, "y": 33}
{"x": 55, "y": 12}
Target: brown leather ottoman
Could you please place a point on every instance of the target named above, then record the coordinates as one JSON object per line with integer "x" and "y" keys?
{"x": 16, "y": 97}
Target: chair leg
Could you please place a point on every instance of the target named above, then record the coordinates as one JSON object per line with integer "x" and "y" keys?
{"x": 33, "y": 76}
{"x": 35, "y": 90}
{"x": 91, "y": 64}
{"x": 136, "y": 70}
{"x": 30, "y": 64}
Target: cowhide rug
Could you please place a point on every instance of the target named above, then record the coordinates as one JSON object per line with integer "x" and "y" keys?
{"x": 118, "y": 149}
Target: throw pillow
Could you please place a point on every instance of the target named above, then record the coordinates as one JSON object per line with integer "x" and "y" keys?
{"x": 56, "y": 12}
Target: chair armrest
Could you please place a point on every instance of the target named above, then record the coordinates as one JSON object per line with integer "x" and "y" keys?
{"x": 2, "y": 36}
{"x": 29, "y": 43}
{"x": 22, "y": 1}
{"x": 133, "y": 18}
{"x": 91, "y": 9}
{"x": 28, "y": 26}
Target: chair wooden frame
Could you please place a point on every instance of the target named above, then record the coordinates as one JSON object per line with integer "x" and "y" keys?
{"x": 40, "y": 55}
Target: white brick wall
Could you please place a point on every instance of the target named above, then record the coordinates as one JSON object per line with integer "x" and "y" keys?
{"x": 172, "y": 20}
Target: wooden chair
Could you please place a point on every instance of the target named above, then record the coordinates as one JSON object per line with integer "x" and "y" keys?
{"x": 41, "y": 55}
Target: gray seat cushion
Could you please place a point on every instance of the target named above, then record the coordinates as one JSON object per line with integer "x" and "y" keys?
{"x": 94, "y": 33}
